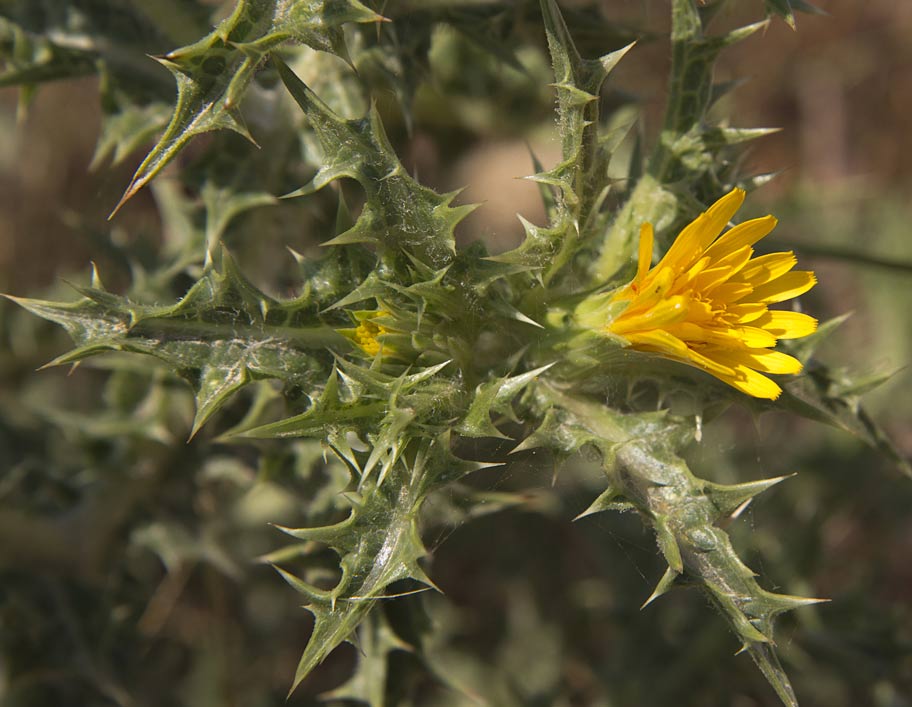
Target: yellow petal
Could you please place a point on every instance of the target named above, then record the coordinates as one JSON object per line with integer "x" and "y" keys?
{"x": 731, "y": 292}
{"x": 743, "y": 234}
{"x": 706, "y": 302}
{"x": 660, "y": 341}
{"x": 690, "y": 332}
{"x": 759, "y": 359}
{"x": 684, "y": 282}
{"x": 710, "y": 365}
{"x": 786, "y": 325}
{"x": 647, "y": 236}
{"x": 735, "y": 374}
{"x": 669, "y": 311}
{"x": 722, "y": 270}
{"x": 746, "y": 312}
{"x": 702, "y": 231}
{"x": 755, "y": 338}
{"x": 786, "y": 287}
{"x": 776, "y": 362}
{"x": 726, "y": 337}
{"x": 768, "y": 267}
{"x": 754, "y": 384}
{"x": 700, "y": 312}
{"x": 697, "y": 268}
{"x": 652, "y": 291}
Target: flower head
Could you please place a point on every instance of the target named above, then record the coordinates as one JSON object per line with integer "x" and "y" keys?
{"x": 366, "y": 334}
{"x": 706, "y": 302}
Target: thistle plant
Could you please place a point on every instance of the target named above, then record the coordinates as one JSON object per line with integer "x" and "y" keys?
{"x": 640, "y": 309}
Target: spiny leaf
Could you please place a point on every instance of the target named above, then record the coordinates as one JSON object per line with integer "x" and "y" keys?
{"x": 364, "y": 404}
{"x": 693, "y": 55}
{"x": 329, "y": 411}
{"x": 133, "y": 112}
{"x": 642, "y": 464}
{"x": 213, "y": 74}
{"x": 368, "y": 683}
{"x": 539, "y": 247}
{"x": 149, "y": 421}
{"x": 786, "y": 9}
{"x": 494, "y": 397}
{"x": 833, "y": 397}
{"x": 224, "y": 334}
{"x": 819, "y": 395}
{"x": 668, "y": 543}
{"x": 389, "y": 443}
{"x": 716, "y": 138}
{"x": 378, "y": 544}
{"x": 579, "y": 179}
{"x": 400, "y": 215}
{"x": 609, "y": 500}
{"x": 44, "y": 40}
{"x": 729, "y": 498}
{"x": 663, "y": 587}
{"x": 57, "y": 39}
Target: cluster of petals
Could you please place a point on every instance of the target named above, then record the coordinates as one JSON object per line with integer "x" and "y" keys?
{"x": 367, "y": 334}
{"x": 706, "y": 302}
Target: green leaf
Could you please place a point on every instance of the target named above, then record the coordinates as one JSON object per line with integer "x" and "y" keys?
{"x": 581, "y": 177}
{"x": 399, "y": 215}
{"x": 369, "y": 683}
{"x": 378, "y": 545}
{"x": 786, "y": 8}
{"x": 642, "y": 464}
{"x": 362, "y": 403}
{"x": 221, "y": 336}
{"x": 832, "y": 397}
{"x": 494, "y": 397}
{"x": 213, "y": 74}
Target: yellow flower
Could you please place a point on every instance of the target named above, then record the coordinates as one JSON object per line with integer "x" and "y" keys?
{"x": 367, "y": 331}
{"x": 706, "y": 302}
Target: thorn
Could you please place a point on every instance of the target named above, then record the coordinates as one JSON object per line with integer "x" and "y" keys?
{"x": 732, "y": 499}
{"x": 789, "y": 602}
{"x": 96, "y": 278}
{"x": 482, "y": 466}
{"x": 300, "y": 259}
{"x": 431, "y": 586}
{"x": 48, "y": 365}
{"x": 740, "y": 509}
{"x": 610, "y": 60}
{"x": 308, "y": 590}
{"x": 607, "y": 500}
{"x": 519, "y": 316}
{"x": 197, "y": 426}
{"x": 528, "y": 443}
{"x": 127, "y": 195}
{"x": 663, "y": 587}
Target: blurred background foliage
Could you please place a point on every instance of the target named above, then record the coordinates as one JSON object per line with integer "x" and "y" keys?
{"x": 128, "y": 571}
